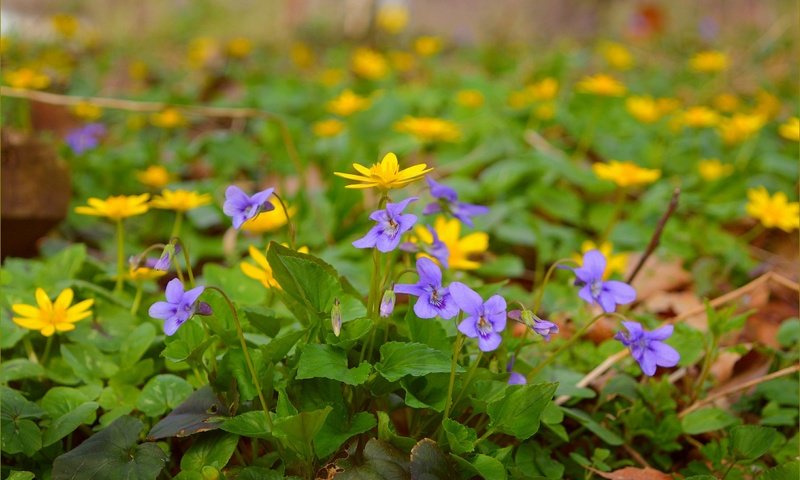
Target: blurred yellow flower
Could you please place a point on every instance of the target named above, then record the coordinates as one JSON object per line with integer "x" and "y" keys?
{"x": 667, "y": 105}
{"x": 625, "y": 174}
{"x": 469, "y": 98}
{"x": 385, "y": 175}
{"x": 544, "y": 89}
{"x": 49, "y": 317}
{"x": 767, "y": 105}
{"x": 239, "y": 47}
{"x": 154, "y": 176}
{"x": 168, "y": 118}
{"x": 140, "y": 274}
{"x": 739, "y": 127}
{"x": 369, "y": 64}
{"x": 180, "y": 200}
{"x": 726, "y": 102}
{"x": 712, "y": 169}
{"x": 614, "y": 263}
{"x": 645, "y": 109}
{"x": 65, "y": 24}
{"x": 427, "y": 45}
{"x": 268, "y": 221}
{"x": 27, "y": 78}
{"x": 331, "y": 77}
{"x": 402, "y": 61}
{"x": 709, "y": 61}
{"x": 699, "y": 117}
{"x": 392, "y": 18}
{"x": 348, "y": 103}
{"x": 116, "y": 207}
{"x": 601, "y": 84}
{"x": 791, "y": 129}
{"x": 616, "y": 55}
{"x": 302, "y": 55}
{"x": 773, "y": 211}
{"x": 202, "y": 51}
{"x": 87, "y": 111}
{"x": 460, "y": 249}
{"x": 138, "y": 70}
{"x": 261, "y": 271}
{"x": 328, "y": 128}
{"x": 429, "y": 129}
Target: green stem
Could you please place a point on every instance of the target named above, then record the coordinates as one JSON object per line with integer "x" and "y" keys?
{"x": 176, "y": 227}
{"x": 292, "y": 231}
{"x": 453, "y": 364}
{"x": 619, "y": 201}
{"x": 120, "y": 256}
{"x": 470, "y": 375}
{"x": 537, "y": 301}
{"x": 484, "y": 436}
{"x": 26, "y": 342}
{"x": 47, "y": 347}
{"x": 186, "y": 258}
{"x": 698, "y": 386}
{"x": 247, "y": 358}
{"x": 137, "y": 299}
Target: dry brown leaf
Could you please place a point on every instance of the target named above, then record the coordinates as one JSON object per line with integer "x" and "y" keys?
{"x": 722, "y": 368}
{"x": 659, "y": 276}
{"x": 633, "y": 473}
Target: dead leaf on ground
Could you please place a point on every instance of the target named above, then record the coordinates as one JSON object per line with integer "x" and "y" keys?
{"x": 632, "y": 473}
{"x": 658, "y": 276}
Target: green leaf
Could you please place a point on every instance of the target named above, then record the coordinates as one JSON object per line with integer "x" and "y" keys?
{"x": 460, "y": 437}
{"x": 338, "y": 429}
{"x": 136, "y": 344}
{"x": 19, "y": 434}
{"x": 67, "y": 423}
{"x": 280, "y": 346}
{"x": 399, "y": 359}
{"x": 19, "y": 369}
{"x": 88, "y": 363}
{"x": 789, "y": 332}
{"x": 519, "y": 412}
{"x": 61, "y": 400}
{"x": 21, "y": 475}
{"x": 752, "y": 441}
{"x": 488, "y": 467}
{"x": 782, "y": 472}
{"x": 387, "y": 433}
{"x": 162, "y": 393}
{"x": 112, "y": 453}
{"x": 211, "y": 449}
{"x": 234, "y": 365}
{"x": 235, "y": 284}
{"x": 707, "y": 420}
{"x": 429, "y": 391}
{"x": 298, "y": 431}
{"x": 325, "y": 361}
{"x": 201, "y": 412}
{"x": 263, "y": 319}
{"x": 259, "y": 473}
{"x": 249, "y": 424}
{"x": 593, "y": 426}
{"x": 381, "y": 462}
{"x": 428, "y": 462}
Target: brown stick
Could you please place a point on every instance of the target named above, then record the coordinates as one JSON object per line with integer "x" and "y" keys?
{"x": 656, "y": 238}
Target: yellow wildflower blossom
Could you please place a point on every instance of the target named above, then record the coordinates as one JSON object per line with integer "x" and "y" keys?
{"x": 140, "y": 274}
{"x": 601, "y": 84}
{"x": 767, "y": 105}
{"x": 461, "y": 250}
{"x": 369, "y": 64}
{"x": 625, "y": 174}
{"x": 616, "y": 55}
{"x": 27, "y": 78}
{"x": 331, "y": 76}
{"x": 202, "y": 51}
{"x": 712, "y": 169}
{"x": 65, "y": 24}
{"x": 429, "y": 129}
{"x": 138, "y": 71}
{"x": 239, "y": 47}
{"x": 116, "y": 207}
{"x": 427, "y": 45}
{"x": 302, "y": 55}
{"x": 49, "y": 317}
{"x": 385, "y": 175}
{"x": 709, "y": 61}
{"x": 773, "y": 211}
{"x": 392, "y": 18}
{"x": 261, "y": 271}
{"x": 180, "y": 200}
{"x": 699, "y": 117}
{"x": 402, "y": 61}
{"x": 739, "y": 128}
{"x": 328, "y": 128}
{"x": 154, "y": 176}
{"x": 614, "y": 263}
{"x": 667, "y": 105}
{"x": 469, "y": 98}
{"x": 545, "y": 111}
{"x": 645, "y": 109}
{"x": 87, "y": 111}
{"x": 543, "y": 90}
{"x": 791, "y": 129}
{"x": 348, "y": 103}
{"x": 268, "y": 221}
{"x": 168, "y": 118}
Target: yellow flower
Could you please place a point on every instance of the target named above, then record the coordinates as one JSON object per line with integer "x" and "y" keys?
{"x": 460, "y": 249}
{"x": 87, "y": 111}
{"x": 601, "y": 84}
{"x": 261, "y": 271}
{"x": 469, "y": 98}
{"x": 180, "y": 200}
{"x": 402, "y": 61}
{"x": 427, "y": 45}
{"x": 202, "y": 50}
{"x": 614, "y": 263}
{"x": 429, "y": 129}
{"x": 616, "y": 55}
{"x": 116, "y": 207}
{"x": 644, "y": 109}
{"x": 699, "y": 117}
{"x": 168, "y": 118}
{"x": 27, "y": 78}
{"x": 348, "y": 103}
{"x": 302, "y": 55}
{"x": 65, "y": 24}
{"x": 625, "y": 174}
{"x": 774, "y": 211}
{"x": 392, "y": 18}
{"x": 154, "y": 176}
{"x": 268, "y": 221}
{"x": 50, "y": 317}
{"x": 544, "y": 89}
{"x": 726, "y": 102}
{"x": 331, "y": 76}
{"x": 709, "y": 61}
{"x": 739, "y": 127}
{"x": 239, "y": 47}
{"x": 369, "y": 64}
{"x": 767, "y": 105}
{"x": 138, "y": 274}
{"x": 328, "y": 128}
{"x": 712, "y": 169}
{"x": 791, "y": 129}
{"x": 385, "y": 175}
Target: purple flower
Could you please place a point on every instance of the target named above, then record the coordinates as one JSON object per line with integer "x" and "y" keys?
{"x": 85, "y": 138}
{"x": 437, "y": 249}
{"x": 648, "y": 348}
{"x": 433, "y": 299}
{"x": 515, "y": 378}
{"x": 607, "y": 294}
{"x": 387, "y": 303}
{"x": 484, "y": 321}
{"x": 448, "y": 202}
{"x": 391, "y": 224}
{"x": 242, "y": 208}
{"x": 539, "y": 326}
{"x": 179, "y": 307}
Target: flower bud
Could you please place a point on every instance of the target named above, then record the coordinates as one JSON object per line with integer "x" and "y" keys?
{"x": 387, "y": 303}
{"x": 336, "y": 317}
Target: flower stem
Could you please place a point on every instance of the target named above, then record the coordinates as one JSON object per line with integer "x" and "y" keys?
{"x": 47, "y": 347}
{"x": 176, "y": 227}
{"x": 292, "y": 231}
{"x": 137, "y": 299}
{"x": 120, "y": 256}
{"x": 247, "y": 358}
{"x": 470, "y": 375}
{"x": 186, "y": 258}
{"x": 454, "y": 362}
{"x": 537, "y": 302}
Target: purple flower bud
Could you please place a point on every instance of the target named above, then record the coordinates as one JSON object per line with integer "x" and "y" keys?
{"x": 387, "y": 303}
{"x": 336, "y": 317}
{"x": 204, "y": 309}
{"x": 448, "y": 202}
{"x": 515, "y": 378}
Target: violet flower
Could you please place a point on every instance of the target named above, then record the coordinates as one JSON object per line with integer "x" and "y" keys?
{"x": 387, "y": 303}
{"x": 531, "y": 320}
{"x": 392, "y": 223}
{"x": 433, "y": 298}
{"x": 648, "y": 348}
{"x": 448, "y": 202}
{"x": 485, "y": 320}
{"x": 85, "y": 138}
{"x": 241, "y": 207}
{"x": 515, "y": 378}
{"x": 607, "y": 294}
{"x": 179, "y": 307}
{"x": 437, "y": 249}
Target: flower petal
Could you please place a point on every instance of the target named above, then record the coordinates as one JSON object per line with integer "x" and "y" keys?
{"x": 424, "y": 309}
{"x": 25, "y": 310}
{"x": 43, "y": 300}
{"x": 174, "y": 291}
{"x": 64, "y": 299}
{"x": 620, "y": 291}
{"x": 429, "y": 272}
{"x": 192, "y": 295}
{"x": 664, "y": 355}
{"x": 469, "y": 327}
{"x": 467, "y": 299}
{"x": 162, "y": 310}
{"x": 489, "y": 342}
{"x": 660, "y": 334}
{"x": 29, "y": 323}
